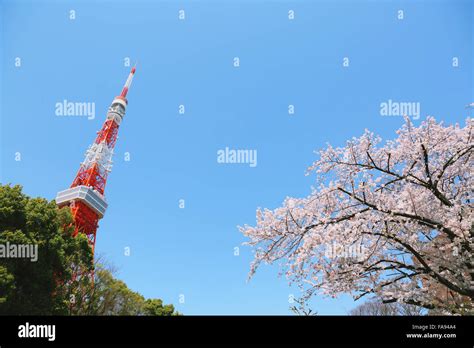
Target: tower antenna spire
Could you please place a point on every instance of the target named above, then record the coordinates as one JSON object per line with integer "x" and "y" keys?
{"x": 128, "y": 83}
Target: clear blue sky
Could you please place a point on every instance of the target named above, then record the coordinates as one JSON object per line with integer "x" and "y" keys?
{"x": 191, "y": 251}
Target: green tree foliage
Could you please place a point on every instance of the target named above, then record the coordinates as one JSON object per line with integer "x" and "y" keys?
{"x": 111, "y": 296}
{"x": 37, "y": 287}
{"x": 59, "y": 281}
{"x": 155, "y": 307}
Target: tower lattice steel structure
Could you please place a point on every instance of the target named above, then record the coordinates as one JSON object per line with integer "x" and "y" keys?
{"x": 86, "y": 197}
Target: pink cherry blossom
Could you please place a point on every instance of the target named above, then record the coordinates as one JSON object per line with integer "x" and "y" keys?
{"x": 408, "y": 202}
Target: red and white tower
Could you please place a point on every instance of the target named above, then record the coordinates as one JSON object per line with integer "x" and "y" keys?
{"x": 85, "y": 197}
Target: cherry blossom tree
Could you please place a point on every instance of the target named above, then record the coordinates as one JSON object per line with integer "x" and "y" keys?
{"x": 390, "y": 220}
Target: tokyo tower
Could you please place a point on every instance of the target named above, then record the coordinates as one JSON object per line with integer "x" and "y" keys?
{"x": 86, "y": 197}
